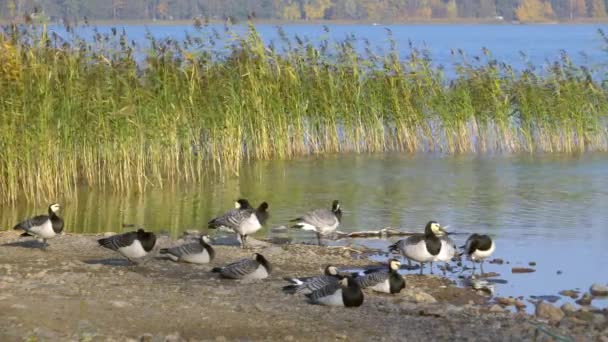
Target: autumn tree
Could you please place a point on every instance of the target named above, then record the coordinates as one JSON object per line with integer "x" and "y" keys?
{"x": 534, "y": 11}
{"x": 596, "y": 8}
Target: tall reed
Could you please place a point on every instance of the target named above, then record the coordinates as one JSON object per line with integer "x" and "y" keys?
{"x": 77, "y": 112}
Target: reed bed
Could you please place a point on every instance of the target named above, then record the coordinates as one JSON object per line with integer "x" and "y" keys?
{"x": 95, "y": 112}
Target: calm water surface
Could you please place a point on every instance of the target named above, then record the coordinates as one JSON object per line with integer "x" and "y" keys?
{"x": 546, "y": 209}
{"x": 539, "y": 43}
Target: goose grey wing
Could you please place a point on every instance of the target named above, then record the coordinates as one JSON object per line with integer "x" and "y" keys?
{"x": 118, "y": 241}
{"x": 32, "y": 222}
{"x": 372, "y": 279}
{"x": 231, "y": 219}
{"x": 240, "y": 268}
{"x": 325, "y": 291}
{"x": 186, "y": 249}
{"x": 316, "y": 283}
{"x": 320, "y": 218}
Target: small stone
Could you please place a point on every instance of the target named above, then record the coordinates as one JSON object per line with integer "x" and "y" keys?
{"x": 559, "y": 272}
{"x": 146, "y": 337}
{"x": 598, "y": 290}
{"x": 599, "y": 319}
{"x": 174, "y": 337}
{"x": 568, "y": 308}
{"x": 497, "y": 261}
{"x": 341, "y": 337}
{"x": 496, "y": 308}
{"x": 18, "y": 306}
{"x": 504, "y": 301}
{"x": 603, "y": 338}
{"x": 119, "y": 304}
{"x": 417, "y": 296}
{"x": 532, "y": 263}
{"x": 548, "y": 311}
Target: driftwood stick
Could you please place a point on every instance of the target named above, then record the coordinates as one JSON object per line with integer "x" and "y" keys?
{"x": 381, "y": 233}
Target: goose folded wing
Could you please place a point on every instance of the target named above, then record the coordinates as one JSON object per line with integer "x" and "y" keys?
{"x": 240, "y": 268}
{"x": 372, "y": 279}
{"x": 32, "y": 222}
{"x": 325, "y": 291}
{"x": 118, "y": 241}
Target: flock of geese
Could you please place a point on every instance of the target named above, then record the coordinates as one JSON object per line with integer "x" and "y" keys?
{"x": 332, "y": 288}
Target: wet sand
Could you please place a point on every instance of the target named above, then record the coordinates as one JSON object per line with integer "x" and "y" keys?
{"x": 76, "y": 290}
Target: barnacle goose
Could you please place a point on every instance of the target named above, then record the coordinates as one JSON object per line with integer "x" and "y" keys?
{"x": 131, "y": 245}
{"x": 421, "y": 247}
{"x": 309, "y": 284}
{"x": 322, "y": 221}
{"x": 478, "y": 248}
{"x": 199, "y": 252}
{"x": 346, "y": 292}
{"x": 243, "y": 220}
{"x": 384, "y": 280}
{"x": 43, "y": 227}
{"x": 255, "y": 268}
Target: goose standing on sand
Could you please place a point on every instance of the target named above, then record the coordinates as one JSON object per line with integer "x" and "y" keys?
{"x": 131, "y": 245}
{"x": 478, "y": 248}
{"x": 383, "y": 280}
{"x": 248, "y": 269}
{"x": 243, "y": 220}
{"x": 310, "y": 284}
{"x": 43, "y": 227}
{"x": 346, "y": 292}
{"x": 321, "y": 221}
{"x": 421, "y": 247}
{"x": 199, "y": 252}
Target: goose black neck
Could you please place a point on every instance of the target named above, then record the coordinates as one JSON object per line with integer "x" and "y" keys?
{"x": 352, "y": 294}
{"x": 208, "y": 248}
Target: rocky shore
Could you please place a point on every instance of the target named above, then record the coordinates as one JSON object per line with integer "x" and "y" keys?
{"x": 76, "y": 290}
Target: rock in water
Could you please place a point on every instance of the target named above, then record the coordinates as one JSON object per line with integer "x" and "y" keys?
{"x": 598, "y": 290}
{"x": 548, "y": 311}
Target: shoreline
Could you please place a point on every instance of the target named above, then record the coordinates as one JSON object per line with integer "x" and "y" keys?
{"x": 338, "y": 22}
{"x": 78, "y": 290}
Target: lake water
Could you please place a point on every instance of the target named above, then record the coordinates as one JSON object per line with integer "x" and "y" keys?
{"x": 539, "y": 43}
{"x": 547, "y": 209}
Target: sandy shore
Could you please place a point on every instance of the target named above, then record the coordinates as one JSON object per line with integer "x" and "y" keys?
{"x": 77, "y": 290}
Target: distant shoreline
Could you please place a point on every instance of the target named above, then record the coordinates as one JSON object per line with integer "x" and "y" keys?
{"x": 462, "y": 21}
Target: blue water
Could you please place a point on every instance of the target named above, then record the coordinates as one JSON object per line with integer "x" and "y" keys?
{"x": 516, "y": 45}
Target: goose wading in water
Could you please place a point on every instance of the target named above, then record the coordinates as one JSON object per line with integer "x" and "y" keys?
{"x": 43, "y": 227}
{"x": 421, "y": 248}
{"x": 322, "y": 221}
{"x": 478, "y": 248}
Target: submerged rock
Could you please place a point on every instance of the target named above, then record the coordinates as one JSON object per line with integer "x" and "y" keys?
{"x": 568, "y": 308}
{"x": 585, "y": 300}
{"x": 598, "y": 290}
{"x": 522, "y": 270}
{"x": 570, "y": 293}
{"x": 548, "y": 311}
